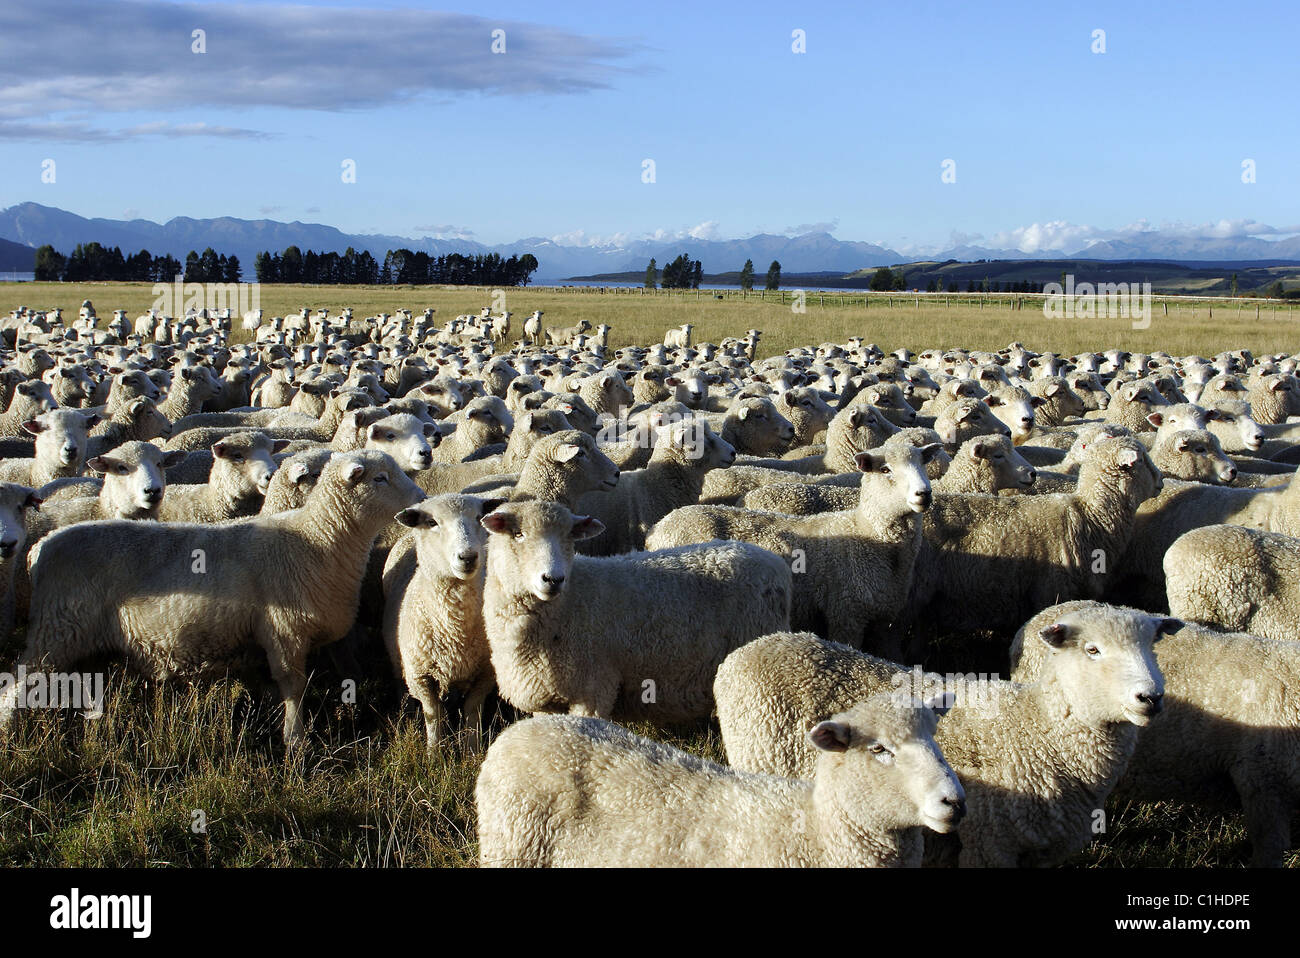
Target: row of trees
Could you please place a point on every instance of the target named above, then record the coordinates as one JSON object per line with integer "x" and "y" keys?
{"x": 686, "y": 273}
{"x": 416, "y": 268}
{"x": 93, "y": 261}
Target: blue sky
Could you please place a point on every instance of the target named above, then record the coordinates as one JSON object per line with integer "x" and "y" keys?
{"x": 1050, "y": 140}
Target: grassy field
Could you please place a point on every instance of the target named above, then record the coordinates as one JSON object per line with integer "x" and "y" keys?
{"x": 1203, "y": 326}
{"x": 133, "y": 787}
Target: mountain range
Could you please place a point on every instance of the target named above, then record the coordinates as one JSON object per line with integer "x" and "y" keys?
{"x": 32, "y": 225}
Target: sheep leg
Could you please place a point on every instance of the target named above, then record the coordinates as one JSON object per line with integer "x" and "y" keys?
{"x": 1268, "y": 820}
{"x": 425, "y": 690}
{"x": 290, "y": 674}
{"x": 474, "y": 703}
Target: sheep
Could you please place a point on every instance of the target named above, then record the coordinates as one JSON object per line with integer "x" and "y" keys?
{"x": 192, "y": 387}
{"x": 433, "y": 608}
{"x": 172, "y": 616}
{"x": 564, "y": 791}
{"x": 533, "y": 327}
{"x": 1183, "y": 506}
{"x": 855, "y": 566}
{"x": 1131, "y": 404}
{"x": 405, "y": 438}
{"x": 139, "y": 420}
{"x": 16, "y": 503}
{"x": 966, "y": 418}
{"x": 485, "y": 421}
{"x": 992, "y": 561}
{"x": 854, "y": 429}
{"x": 754, "y": 427}
{"x": 560, "y": 468}
{"x": 605, "y": 392}
{"x": 983, "y": 465}
{"x": 679, "y": 336}
{"x": 241, "y": 474}
{"x": 1236, "y": 579}
{"x": 563, "y": 335}
{"x": 31, "y": 398}
{"x": 294, "y": 478}
{"x": 1060, "y": 402}
{"x": 673, "y": 477}
{"x": 566, "y": 633}
{"x": 1036, "y": 760}
{"x": 1229, "y": 731}
{"x": 807, "y": 412}
{"x": 60, "y": 448}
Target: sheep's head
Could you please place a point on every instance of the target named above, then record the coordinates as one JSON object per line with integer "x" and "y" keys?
{"x": 246, "y": 459}
{"x": 883, "y": 747}
{"x": 757, "y": 427}
{"x": 369, "y": 484}
{"x": 693, "y": 441}
{"x": 576, "y": 460}
{"x": 61, "y": 434}
{"x": 135, "y": 477}
{"x": 1102, "y": 658}
{"x": 533, "y": 546}
{"x": 448, "y": 532}
{"x": 15, "y": 500}
{"x": 1010, "y": 469}
{"x": 408, "y": 439}
{"x": 896, "y": 474}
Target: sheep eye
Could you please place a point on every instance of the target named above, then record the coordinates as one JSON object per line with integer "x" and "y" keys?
{"x": 885, "y": 470}
{"x": 381, "y": 478}
{"x": 122, "y": 470}
{"x": 1092, "y": 651}
{"x": 518, "y": 536}
{"x": 391, "y": 436}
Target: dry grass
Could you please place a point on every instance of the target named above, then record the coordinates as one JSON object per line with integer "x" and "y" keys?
{"x": 123, "y": 790}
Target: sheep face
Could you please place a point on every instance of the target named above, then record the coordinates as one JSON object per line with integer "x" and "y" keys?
{"x": 135, "y": 477}
{"x": 533, "y": 545}
{"x": 760, "y": 429}
{"x": 1010, "y": 469}
{"x": 15, "y": 500}
{"x": 1194, "y": 455}
{"x": 448, "y": 533}
{"x": 574, "y": 451}
{"x": 967, "y": 418}
{"x": 61, "y": 435}
{"x": 1015, "y": 408}
{"x": 405, "y": 438}
{"x": 369, "y": 485}
{"x": 249, "y": 456}
{"x": 884, "y": 747}
{"x": 897, "y": 473}
{"x": 1106, "y": 665}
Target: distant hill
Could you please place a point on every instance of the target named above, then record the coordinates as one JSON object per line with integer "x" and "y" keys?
{"x": 1164, "y": 277}
{"x": 16, "y": 258}
{"x": 32, "y": 225}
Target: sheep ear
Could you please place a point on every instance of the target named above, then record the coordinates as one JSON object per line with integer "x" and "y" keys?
{"x": 353, "y": 472}
{"x": 409, "y": 517}
{"x": 498, "y": 522}
{"x": 1055, "y": 635}
{"x": 1052, "y": 389}
{"x": 1128, "y": 458}
{"x": 868, "y": 461}
{"x": 830, "y": 736}
{"x": 1218, "y": 415}
{"x": 1167, "y": 626}
{"x": 1156, "y": 419}
{"x": 992, "y": 401}
{"x": 567, "y": 451}
{"x": 744, "y": 414}
{"x": 979, "y": 450}
{"x": 587, "y": 527}
{"x": 279, "y": 445}
{"x": 34, "y": 427}
{"x": 173, "y": 458}
{"x": 219, "y": 450}
{"x": 100, "y": 464}
{"x": 489, "y": 505}
{"x": 1037, "y": 401}
{"x": 964, "y": 413}
{"x": 431, "y": 429}
{"x": 930, "y": 450}
{"x": 33, "y": 501}
{"x": 942, "y": 703}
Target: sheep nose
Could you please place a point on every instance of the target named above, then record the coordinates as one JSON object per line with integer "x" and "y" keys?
{"x": 8, "y": 547}
{"x": 471, "y": 559}
{"x": 1230, "y": 473}
{"x": 1154, "y": 701}
{"x": 1033, "y": 475}
{"x": 925, "y": 498}
{"x": 958, "y": 806}
{"x": 153, "y": 494}
{"x": 556, "y": 580}
{"x": 1026, "y": 420}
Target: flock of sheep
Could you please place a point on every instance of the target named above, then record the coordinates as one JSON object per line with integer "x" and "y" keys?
{"x": 662, "y": 534}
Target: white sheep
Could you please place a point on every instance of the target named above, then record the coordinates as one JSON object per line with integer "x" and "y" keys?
{"x": 650, "y": 658}
{"x": 195, "y": 600}
{"x": 566, "y": 791}
{"x": 433, "y": 608}
{"x": 854, "y": 567}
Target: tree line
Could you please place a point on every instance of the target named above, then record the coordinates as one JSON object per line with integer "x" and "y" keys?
{"x": 686, "y": 273}
{"x": 93, "y": 261}
{"x": 415, "y": 268}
